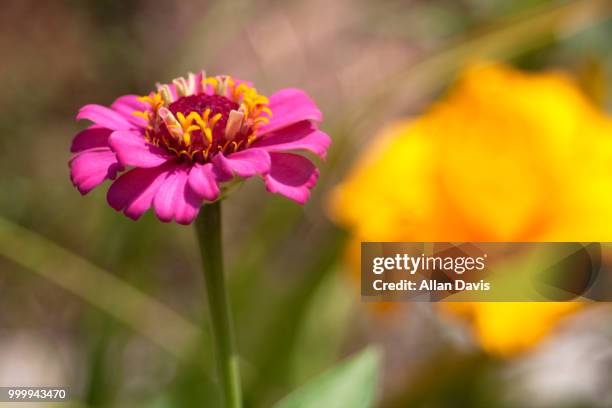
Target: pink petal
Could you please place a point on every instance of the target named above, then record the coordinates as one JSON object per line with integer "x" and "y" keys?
{"x": 91, "y": 167}
{"x": 105, "y": 117}
{"x": 133, "y": 192}
{"x": 173, "y": 91}
{"x": 198, "y": 80}
{"x": 92, "y": 137}
{"x": 290, "y": 106}
{"x": 292, "y": 176}
{"x": 133, "y": 150}
{"x": 126, "y": 105}
{"x": 245, "y": 163}
{"x": 174, "y": 200}
{"x": 300, "y": 136}
{"x": 203, "y": 181}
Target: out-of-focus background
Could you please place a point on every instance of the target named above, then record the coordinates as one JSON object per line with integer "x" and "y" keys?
{"x": 113, "y": 308}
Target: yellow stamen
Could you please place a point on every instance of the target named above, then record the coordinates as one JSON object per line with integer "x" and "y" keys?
{"x": 206, "y": 114}
{"x": 251, "y": 139}
{"x": 214, "y": 120}
{"x": 214, "y": 82}
{"x": 208, "y": 134}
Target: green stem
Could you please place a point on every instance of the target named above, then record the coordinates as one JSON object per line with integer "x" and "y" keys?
{"x": 208, "y": 229}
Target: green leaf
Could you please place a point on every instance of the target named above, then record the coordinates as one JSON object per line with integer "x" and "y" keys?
{"x": 351, "y": 383}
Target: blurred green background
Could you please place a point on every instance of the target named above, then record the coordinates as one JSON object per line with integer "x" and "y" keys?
{"x": 113, "y": 308}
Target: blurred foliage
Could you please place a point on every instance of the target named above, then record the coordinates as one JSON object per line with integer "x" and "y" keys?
{"x": 349, "y": 384}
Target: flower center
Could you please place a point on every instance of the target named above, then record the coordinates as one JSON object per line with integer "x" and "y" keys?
{"x": 201, "y": 117}
{"x": 217, "y": 104}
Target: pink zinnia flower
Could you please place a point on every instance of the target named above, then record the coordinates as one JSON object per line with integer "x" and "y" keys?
{"x": 182, "y": 143}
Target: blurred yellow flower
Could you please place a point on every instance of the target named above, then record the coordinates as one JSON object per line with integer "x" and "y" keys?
{"x": 506, "y": 156}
